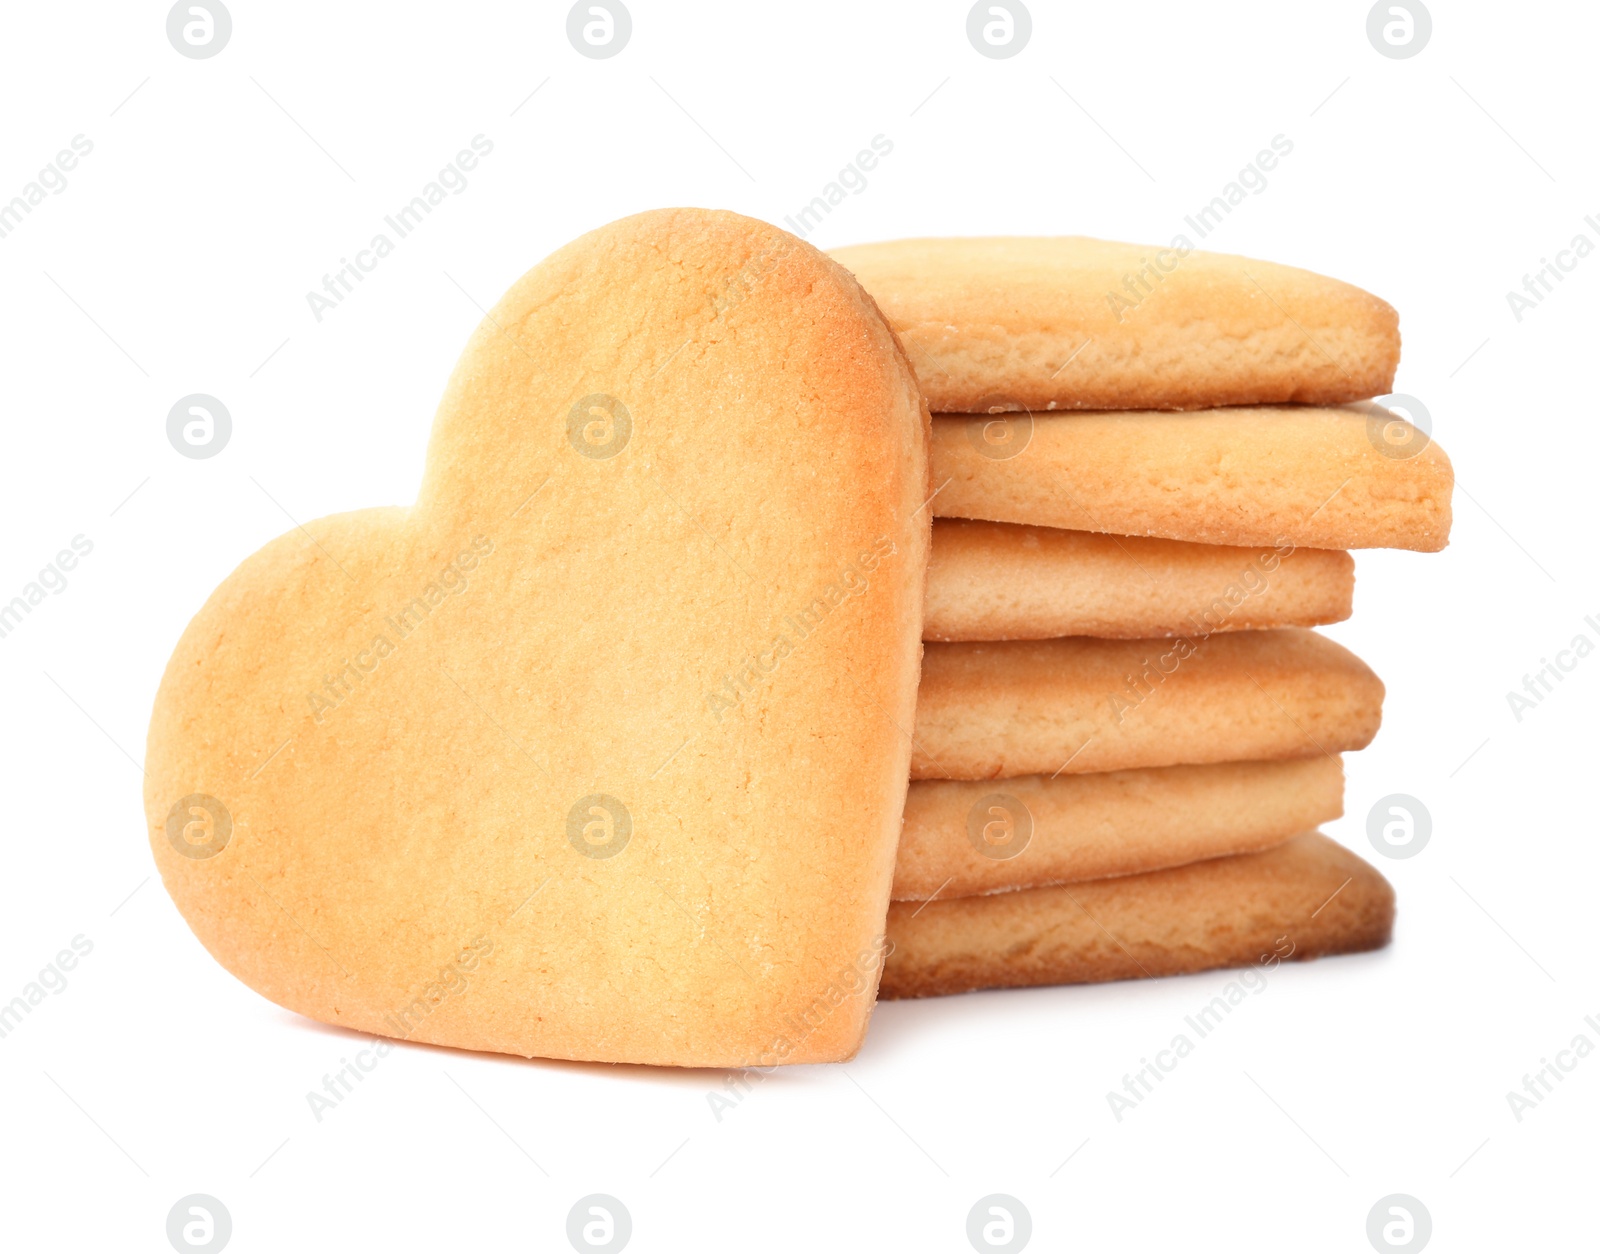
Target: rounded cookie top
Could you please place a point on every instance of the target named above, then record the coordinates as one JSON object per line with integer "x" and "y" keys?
{"x": 1006, "y": 324}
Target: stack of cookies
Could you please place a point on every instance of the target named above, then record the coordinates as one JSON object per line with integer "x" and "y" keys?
{"x": 1147, "y": 468}
{"x": 600, "y": 748}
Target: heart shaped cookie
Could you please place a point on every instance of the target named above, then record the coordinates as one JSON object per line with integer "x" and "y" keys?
{"x": 599, "y": 749}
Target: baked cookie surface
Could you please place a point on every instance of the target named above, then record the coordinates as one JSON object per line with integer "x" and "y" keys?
{"x": 1006, "y": 581}
{"x": 595, "y": 751}
{"x": 1056, "y": 707}
{"x": 1306, "y": 898}
{"x": 1262, "y": 475}
{"x": 994, "y": 324}
{"x": 965, "y": 838}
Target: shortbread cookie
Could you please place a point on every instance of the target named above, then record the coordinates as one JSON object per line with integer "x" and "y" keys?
{"x": 595, "y": 751}
{"x": 1002, "y": 581}
{"x": 1306, "y": 898}
{"x": 1074, "y": 323}
{"x": 1314, "y": 478}
{"x": 1053, "y": 707}
{"x": 963, "y": 838}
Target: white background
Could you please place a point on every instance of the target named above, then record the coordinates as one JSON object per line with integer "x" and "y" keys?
{"x": 177, "y": 260}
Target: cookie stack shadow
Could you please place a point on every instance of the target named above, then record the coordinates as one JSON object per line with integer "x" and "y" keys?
{"x": 1148, "y": 467}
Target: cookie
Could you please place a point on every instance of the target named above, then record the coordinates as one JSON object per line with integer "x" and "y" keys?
{"x": 1053, "y": 707}
{"x": 1003, "y": 581}
{"x": 1072, "y": 323}
{"x": 1306, "y": 898}
{"x": 964, "y": 838}
{"x": 1269, "y": 475}
{"x": 594, "y": 752}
